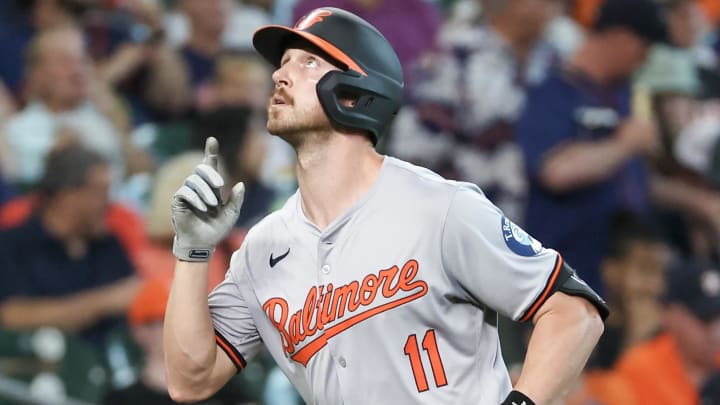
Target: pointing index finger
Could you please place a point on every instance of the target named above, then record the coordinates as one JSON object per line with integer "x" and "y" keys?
{"x": 211, "y": 152}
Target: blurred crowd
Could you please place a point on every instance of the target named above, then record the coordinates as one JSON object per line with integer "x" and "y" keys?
{"x": 594, "y": 124}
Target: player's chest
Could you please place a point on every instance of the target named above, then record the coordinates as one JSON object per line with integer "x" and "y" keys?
{"x": 310, "y": 292}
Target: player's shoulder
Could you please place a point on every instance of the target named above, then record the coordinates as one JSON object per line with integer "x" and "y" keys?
{"x": 434, "y": 194}
{"x": 406, "y": 174}
{"x": 412, "y": 178}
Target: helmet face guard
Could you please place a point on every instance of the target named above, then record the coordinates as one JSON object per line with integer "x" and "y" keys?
{"x": 372, "y": 77}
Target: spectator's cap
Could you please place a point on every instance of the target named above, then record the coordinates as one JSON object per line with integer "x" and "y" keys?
{"x": 696, "y": 286}
{"x": 148, "y": 305}
{"x": 645, "y": 18}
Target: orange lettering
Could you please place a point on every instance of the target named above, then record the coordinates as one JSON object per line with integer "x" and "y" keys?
{"x": 388, "y": 275}
{"x": 325, "y": 316}
{"x": 270, "y": 307}
{"x": 343, "y": 299}
{"x": 297, "y": 335}
{"x": 312, "y": 19}
{"x": 368, "y": 289}
{"x": 321, "y": 308}
{"x": 308, "y": 313}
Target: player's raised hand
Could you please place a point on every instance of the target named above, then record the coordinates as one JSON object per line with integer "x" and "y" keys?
{"x": 199, "y": 216}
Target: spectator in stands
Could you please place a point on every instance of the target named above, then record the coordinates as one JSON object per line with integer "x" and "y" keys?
{"x": 145, "y": 315}
{"x": 470, "y": 92}
{"x": 128, "y": 45}
{"x": 679, "y": 89}
{"x": 59, "y": 268}
{"x": 633, "y": 273}
{"x": 59, "y": 80}
{"x": 23, "y": 20}
{"x": 8, "y": 107}
{"x": 242, "y": 135}
{"x": 679, "y": 366}
{"x": 6, "y": 191}
{"x": 409, "y": 25}
{"x": 240, "y": 79}
{"x": 242, "y": 19}
{"x": 582, "y": 149}
{"x": 207, "y": 23}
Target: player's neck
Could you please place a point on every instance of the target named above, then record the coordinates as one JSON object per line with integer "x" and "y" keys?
{"x": 334, "y": 175}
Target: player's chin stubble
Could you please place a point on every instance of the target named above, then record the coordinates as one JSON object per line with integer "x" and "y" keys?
{"x": 296, "y": 128}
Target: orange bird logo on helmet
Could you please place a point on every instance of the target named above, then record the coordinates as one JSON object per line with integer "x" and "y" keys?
{"x": 312, "y": 18}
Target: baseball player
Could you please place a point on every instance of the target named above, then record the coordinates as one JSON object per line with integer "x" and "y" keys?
{"x": 378, "y": 282}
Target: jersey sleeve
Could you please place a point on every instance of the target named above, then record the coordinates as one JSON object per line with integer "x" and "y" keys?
{"x": 235, "y": 330}
{"x": 495, "y": 263}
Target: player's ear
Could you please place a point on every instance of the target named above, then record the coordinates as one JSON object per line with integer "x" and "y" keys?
{"x": 348, "y": 99}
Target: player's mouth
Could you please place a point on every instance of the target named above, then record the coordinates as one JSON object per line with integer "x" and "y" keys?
{"x": 277, "y": 100}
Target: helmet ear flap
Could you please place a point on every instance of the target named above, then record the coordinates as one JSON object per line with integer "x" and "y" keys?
{"x": 352, "y": 100}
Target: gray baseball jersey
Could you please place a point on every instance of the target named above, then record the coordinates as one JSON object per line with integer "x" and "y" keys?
{"x": 394, "y": 303}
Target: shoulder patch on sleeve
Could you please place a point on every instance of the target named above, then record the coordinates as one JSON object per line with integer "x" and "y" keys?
{"x": 518, "y": 240}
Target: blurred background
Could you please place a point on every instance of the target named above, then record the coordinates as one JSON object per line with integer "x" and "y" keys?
{"x": 595, "y": 124}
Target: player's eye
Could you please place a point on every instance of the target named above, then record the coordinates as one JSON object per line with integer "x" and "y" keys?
{"x": 311, "y": 62}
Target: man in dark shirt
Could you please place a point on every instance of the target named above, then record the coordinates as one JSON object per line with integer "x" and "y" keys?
{"x": 7, "y": 192}
{"x": 207, "y": 23}
{"x": 60, "y": 268}
{"x": 583, "y": 150}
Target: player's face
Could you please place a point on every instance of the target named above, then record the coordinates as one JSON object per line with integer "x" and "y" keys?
{"x": 294, "y": 108}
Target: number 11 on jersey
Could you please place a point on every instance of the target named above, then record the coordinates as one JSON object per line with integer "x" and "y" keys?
{"x": 412, "y": 350}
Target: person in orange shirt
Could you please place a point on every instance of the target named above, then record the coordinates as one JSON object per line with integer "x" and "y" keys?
{"x": 679, "y": 367}
{"x": 145, "y": 316}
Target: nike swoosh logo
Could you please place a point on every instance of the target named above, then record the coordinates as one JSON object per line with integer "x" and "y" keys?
{"x": 276, "y": 260}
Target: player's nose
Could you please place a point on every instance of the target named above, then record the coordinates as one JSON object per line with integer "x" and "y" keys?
{"x": 281, "y": 78}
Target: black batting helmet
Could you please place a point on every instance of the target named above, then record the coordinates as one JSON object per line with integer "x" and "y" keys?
{"x": 372, "y": 70}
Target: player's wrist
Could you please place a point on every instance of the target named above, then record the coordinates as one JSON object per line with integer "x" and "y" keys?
{"x": 195, "y": 254}
{"x": 517, "y": 398}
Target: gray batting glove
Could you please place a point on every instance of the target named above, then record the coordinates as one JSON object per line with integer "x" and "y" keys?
{"x": 200, "y": 218}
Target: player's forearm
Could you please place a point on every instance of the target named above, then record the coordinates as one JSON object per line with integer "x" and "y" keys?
{"x": 583, "y": 163}
{"x": 560, "y": 345}
{"x": 188, "y": 335}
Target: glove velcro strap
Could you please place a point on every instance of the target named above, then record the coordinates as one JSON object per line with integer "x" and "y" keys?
{"x": 192, "y": 254}
{"x": 517, "y": 398}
